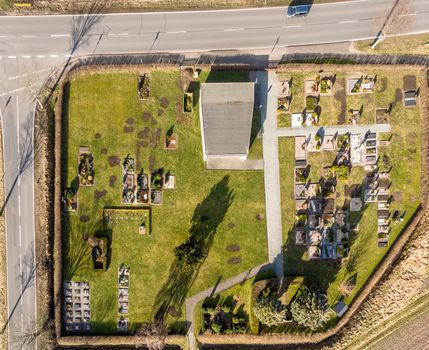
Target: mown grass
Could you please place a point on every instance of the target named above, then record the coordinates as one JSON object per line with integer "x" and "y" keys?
{"x": 403, "y": 159}
{"x": 101, "y": 103}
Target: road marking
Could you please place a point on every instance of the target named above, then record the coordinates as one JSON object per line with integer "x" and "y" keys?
{"x": 17, "y": 124}
{"x": 55, "y": 56}
{"x": 20, "y": 275}
{"x": 233, "y": 29}
{"x": 177, "y": 32}
{"x": 297, "y": 26}
{"x": 19, "y": 205}
{"x": 20, "y": 234}
{"x": 26, "y": 56}
{"x": 11, "y": 56}
{"x": 26, "y": 74}
{"x": 353, "y": 21}
{"x": 22, "y": 317}
{"x": 122, "y": 34}
{"x": 68, "y": 55}
{"x": 29, "y": 36}
{"x": 59, "y": 35}
{"x": 3, "y": 36}
{"x": 40, "y": 56}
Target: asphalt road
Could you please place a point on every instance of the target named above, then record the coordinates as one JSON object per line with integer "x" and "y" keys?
{"x": 30, "y": 46}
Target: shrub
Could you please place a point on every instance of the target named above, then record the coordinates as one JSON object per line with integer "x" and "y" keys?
{"x": 341, "y": 171}
{"x": 270, "y": 311}
{"x": 216, "y": 327}
{"x": 311, "y": 103}
{"x": 310, "y": 309}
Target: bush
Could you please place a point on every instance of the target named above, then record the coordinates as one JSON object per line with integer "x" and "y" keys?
{"x": 341, "y": 171}
{"x": 270, "y": 311}
{"x": 311, "y": 103}
{"x": 217, "y": 328}
{"x": 310, "y": 309}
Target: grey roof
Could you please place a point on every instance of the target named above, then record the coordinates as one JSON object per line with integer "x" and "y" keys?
{"x": 340, "y": 308}
{"x": 227, "y": 111}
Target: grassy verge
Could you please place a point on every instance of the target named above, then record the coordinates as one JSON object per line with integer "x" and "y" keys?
{"x": 156, "y": 5}
{"x": 417, "y": 44}
{"x": 102, "y": 112}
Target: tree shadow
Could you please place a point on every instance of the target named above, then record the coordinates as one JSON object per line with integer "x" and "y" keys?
{"x": 207, "y": 216}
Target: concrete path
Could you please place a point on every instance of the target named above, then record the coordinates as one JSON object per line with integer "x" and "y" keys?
{"x": 222, "y": 163}
{"x": 267, "y": 89}
{"x": 332, "y": 130}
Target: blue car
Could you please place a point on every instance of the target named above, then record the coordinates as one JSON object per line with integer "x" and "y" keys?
{"x": 298, "y": 10}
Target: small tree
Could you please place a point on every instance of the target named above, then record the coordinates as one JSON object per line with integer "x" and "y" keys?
{"x": 310, "y": 309}
{"x": 188, "y": 255}
{"x": 155, "y": 333}
{"x": 269, "y": 311}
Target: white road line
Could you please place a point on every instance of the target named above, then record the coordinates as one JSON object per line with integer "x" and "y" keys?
{"x": 40, "y": 56}
{"x": 29, "y": 36}
{"x": 297, "y": 26}
{"x": 353, "y": 21}
{"x": 26, "y": 74}
{"x": 11, "y": 56}
{"x": 233, "y": 29}
{"x": 26, "y": 56}
{"x": 22, "y": 317}
{"x": 20, "y": 275}
{"x": 68, "y": 55}
{"x": 59, "y": 35}
{"x": 55, "y": 56}
{"x": 17, "y": 123}
{"x": 122, "y": 34}
{"x": 20, "y": 234}
{"x": 177, "y": 32}
{"x": 19, "y": 205}
{"x": 3, "y": 36}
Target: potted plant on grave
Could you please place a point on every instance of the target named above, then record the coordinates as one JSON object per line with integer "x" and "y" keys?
{"x": 69, "y": 199}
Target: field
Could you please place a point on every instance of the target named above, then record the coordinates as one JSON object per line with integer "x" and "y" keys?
{"x": 153, "y": 5}
{"x": 401, "y": 157}
{"x": 221, "y": 208}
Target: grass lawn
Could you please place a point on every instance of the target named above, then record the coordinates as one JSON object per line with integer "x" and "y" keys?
{"x": 416, "y": 44}
{"x": 102, "y": 111}
{"x": 402, "y": 157}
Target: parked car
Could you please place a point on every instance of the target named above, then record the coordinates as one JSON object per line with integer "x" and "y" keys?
{"x": 298, "y": 10}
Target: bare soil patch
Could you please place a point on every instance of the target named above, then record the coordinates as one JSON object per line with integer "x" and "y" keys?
{"x": 156, "y": 136}
{"x": 112, "y": 181}
{"x": 231, "y": 225}
{"x": 143, "y": 134}
{"x": 383, "y": 84}
{"x": 173, "y": 312}
{"x": 153, "y": 121}
{"x": 234, "y": 260}
{"x": 142, "y": 144}
{"x": 341, "y": 96}
{"x": 164, "y": 102}
{"x": 103, "y": 151}
{"x": 160, "y": 112}
{"x": 398, "y": 95}
{"x": 84, "y": 218}
{"x": 114, "y": 160}
{"x": 146, "y": 116}
{"x": 233, "y": 248}
{"x": 410, "y": 82}
{"x": 130, "y": 121}
{"x": 97, "y": 135}
{"x": 260, "y": 216}
{"x": 99, "y": 194}
{"x": 128, "y": 129}
{"x": 152, "y": 160}
{"x": 397, "y": 196}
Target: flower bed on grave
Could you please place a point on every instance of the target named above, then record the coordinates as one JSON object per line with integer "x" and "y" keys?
{"x": 86, "y": 169}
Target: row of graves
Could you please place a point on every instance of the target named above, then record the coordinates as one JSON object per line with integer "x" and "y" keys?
{"x": 123, "y": 286}
{"x": 144, "y": 188}
{"x": 319, "y": 225}
{"x": 377, "y": 186}
{"x": 85, "y": 170}
{"x": 76, "y": 308}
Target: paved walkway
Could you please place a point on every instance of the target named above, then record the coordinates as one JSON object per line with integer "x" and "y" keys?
{"x": 223, "y": 163}
{"x": 194, "y": 300}
{"x": 268, "y": 101}
{"x": 332, "y": 130}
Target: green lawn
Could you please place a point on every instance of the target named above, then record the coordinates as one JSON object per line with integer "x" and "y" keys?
{"x": 102, "y": 111}
{"x": 402, "y": 157}
{"x": 416, "y": 44}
